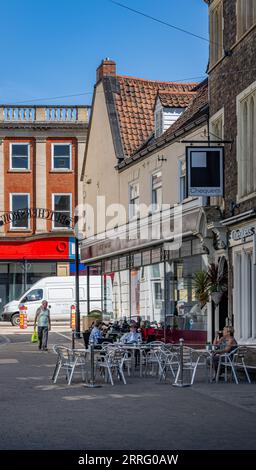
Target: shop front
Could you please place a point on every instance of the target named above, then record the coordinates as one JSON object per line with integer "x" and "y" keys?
{"x": 242, "y": 249}
{"x": 24, "y": 263}
{"x": 154, "y": 286}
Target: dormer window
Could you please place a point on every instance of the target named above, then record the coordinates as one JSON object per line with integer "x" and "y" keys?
{"x": 169, "y": 107}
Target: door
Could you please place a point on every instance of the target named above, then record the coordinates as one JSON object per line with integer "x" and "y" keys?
{"x": 33, "y": 300}
{"x": 60, "y": 299}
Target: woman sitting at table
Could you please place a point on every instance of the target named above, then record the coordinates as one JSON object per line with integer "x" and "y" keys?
{"x": 224, "y": 344}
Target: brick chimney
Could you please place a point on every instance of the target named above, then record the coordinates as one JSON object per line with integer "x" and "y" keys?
{"x": 107, "y": 67}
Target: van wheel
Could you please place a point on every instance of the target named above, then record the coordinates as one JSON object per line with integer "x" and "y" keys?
{"x": 15, "y": 320}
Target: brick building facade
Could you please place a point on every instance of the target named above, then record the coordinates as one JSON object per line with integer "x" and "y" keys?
{"x": 232, "y": 100}
{"x": 41, "y": 155}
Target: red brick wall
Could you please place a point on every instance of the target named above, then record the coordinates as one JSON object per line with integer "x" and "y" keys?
{"x": 19, "y": 181}
{"x": 60, "y": 181}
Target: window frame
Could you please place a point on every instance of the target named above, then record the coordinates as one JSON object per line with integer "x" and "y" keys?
{"x": 53, "y": 209}
{"x": 69, "y": 144}
{"x": 242, "y": 16}
{"x": 19, "y": 229}
{"x": 180, "y": 162}
{"x": 11, "y": 156}
{"x": 216, "y": 54}
{"x": 131, "y": 185}
{"x": 156, "y": 206}
{"x": 243, "y": 101}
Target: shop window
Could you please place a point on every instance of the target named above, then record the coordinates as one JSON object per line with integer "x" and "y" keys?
{"x": 244, "y": 296}
{"x": 19, "y": 156}
{"x": 19, "y": 203}
{"x": 182, "y": 308}
{"x": 62, "y": 210}
{"x": 61, "y": 157}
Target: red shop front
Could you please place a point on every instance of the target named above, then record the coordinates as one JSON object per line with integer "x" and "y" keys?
{"x": 24, "y": 263}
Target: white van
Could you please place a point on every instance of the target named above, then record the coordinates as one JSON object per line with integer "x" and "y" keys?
{"x": 60, "y": 295}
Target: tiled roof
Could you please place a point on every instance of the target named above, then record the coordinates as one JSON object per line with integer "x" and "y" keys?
{"x": 134, "y": 104}
{"x": 180, "y": 99}
{"x": 193, "y": 111}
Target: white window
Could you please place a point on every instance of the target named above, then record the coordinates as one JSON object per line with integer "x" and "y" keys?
{"x": 244, "y": 295}
{"x": 182, "y": 180}
{"x": 216, "y": 32}
{"x": 19, "y": 204}
{"x": 61, "y": 157}
{"x": 246, "y": 16}
{"x": 246, "y": 142}
{"x": 62, "y": 207}
{"x": 158, "y": 122}
{"x": 134, "y": 198}
{"x": 157, "y": 190}
{"x": 19, "y": 156}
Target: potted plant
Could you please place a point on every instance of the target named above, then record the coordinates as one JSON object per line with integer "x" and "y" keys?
{"x": 201, "y": 285}
{"x": 217, "y": 281}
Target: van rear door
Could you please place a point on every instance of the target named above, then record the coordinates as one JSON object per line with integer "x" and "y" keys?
{"x": 60, "y": 299}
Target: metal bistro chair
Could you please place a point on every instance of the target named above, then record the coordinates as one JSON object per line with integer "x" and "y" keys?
{"x": 154, "y": 357}
{"x": 169, "y": 360}
{"x": 113, "y": 361}
{"x": 191, "y": 361}
{"x": 233, "y": 360}
{"x": 69, "y": 360}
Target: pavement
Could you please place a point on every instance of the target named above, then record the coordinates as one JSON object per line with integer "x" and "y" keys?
{"x": 145, "y": 415}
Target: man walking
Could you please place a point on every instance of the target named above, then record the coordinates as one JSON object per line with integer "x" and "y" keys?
{"x": 44, "y": 324}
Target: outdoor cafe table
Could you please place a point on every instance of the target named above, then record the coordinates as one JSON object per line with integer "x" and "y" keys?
{"x": 133, "y": 347}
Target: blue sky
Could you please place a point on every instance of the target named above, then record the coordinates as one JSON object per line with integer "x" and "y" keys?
{"x": 51, "y": 48}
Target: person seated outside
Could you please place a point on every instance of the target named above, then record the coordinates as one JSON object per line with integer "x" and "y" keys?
{"x": 223, "y": 344}
{"x": 96, "y": 334}
{"x": 133, "y": 337}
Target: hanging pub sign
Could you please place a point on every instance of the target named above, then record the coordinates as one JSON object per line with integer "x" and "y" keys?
{"x": 205, "y": 171}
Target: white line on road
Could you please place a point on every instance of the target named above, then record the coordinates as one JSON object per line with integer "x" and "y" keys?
{"x": 64, "y": 336}
{"x": 8, "y": 361}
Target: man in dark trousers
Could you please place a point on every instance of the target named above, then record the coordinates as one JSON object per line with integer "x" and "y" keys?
{"x": 44, "y": 324}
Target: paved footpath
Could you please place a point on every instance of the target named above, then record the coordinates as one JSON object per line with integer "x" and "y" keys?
{"x": 145, "y": 415}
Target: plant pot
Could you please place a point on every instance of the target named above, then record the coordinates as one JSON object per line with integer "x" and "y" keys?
{"x": 216, "y": 297}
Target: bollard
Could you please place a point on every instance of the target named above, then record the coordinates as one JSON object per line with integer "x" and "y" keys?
{"x": 92, "y": 383}
{"x": 23, "y": 317}
{"x": 180, "y": 379}
{"x": 73, "y": 340}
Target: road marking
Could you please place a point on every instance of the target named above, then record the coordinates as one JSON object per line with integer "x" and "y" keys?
{"x": 64, "y": 336}
{"x": 30, "y": 378}
{"x": 8, "y": 361}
